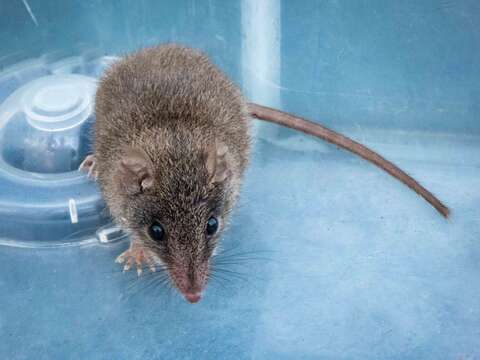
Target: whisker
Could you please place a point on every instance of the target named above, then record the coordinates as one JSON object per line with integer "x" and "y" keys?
{"x": 223, "y": 278}
{"x": 242, "y": 253}
{"x": 236, "y": 276}
{"x": 140, "y": 284}
{"x": 216, "y": 280}
{"x": 240, "y": 260}
{"x": 156, "y": 283}
{"x": 227, "y": 271}
{"x": 248, "y": 276}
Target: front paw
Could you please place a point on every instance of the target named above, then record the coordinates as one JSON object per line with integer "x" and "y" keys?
{"x": 89, "y": 165}
{"x": 137, "y": 255}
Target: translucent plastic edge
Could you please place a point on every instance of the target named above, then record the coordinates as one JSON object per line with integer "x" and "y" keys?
{"x": 56, "y": 245}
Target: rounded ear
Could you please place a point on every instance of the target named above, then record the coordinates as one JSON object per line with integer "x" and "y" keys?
{"x": 216, "y": 162}
{"x": 134, "y": 171}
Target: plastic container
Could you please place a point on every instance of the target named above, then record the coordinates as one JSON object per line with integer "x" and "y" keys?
{"x": 326, "y": 257}
{"x": 45, "y": 129}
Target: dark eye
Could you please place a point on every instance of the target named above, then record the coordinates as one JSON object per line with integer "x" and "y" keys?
{"x": 212, "y": 225}
{"x": 156, "y": 231}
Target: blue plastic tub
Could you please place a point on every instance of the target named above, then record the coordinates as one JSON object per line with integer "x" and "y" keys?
{"x": 333, "y": 259}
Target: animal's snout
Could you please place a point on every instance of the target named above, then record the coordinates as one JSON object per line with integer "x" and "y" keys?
{"x": 193, "y": 297}
{"x": 190, "y": 280}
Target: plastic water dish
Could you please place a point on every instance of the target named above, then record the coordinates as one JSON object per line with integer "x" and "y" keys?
{"x": 44, "y": 136}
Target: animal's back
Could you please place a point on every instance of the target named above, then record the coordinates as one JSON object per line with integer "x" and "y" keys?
{"x": 171, "y": 88}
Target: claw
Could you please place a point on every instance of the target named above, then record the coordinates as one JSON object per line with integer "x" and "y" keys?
{"x": 151, "y": 264}
{"x": 127, "y": 266}
{"x": 138, "y": 256}
{"x": 120, "y": 258}
{"x": 138, "y": 261}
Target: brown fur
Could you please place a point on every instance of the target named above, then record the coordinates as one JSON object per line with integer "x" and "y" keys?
{"x": 171, "y": 144}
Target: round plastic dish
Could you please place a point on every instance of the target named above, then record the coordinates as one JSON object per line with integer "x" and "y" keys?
{"x": 45, "y": 131}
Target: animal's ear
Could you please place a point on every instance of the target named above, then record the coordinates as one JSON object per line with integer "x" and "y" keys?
{"x": 135, "y": 171}
{"x": 216, "y": 162}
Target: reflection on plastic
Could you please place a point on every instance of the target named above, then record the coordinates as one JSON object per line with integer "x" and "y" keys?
{"x": 45, "y": 125}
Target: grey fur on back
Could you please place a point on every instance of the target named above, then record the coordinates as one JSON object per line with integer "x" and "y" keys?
{"x": 172, "y": 104}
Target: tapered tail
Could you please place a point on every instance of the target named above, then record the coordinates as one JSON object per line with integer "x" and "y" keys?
{"x": 311, "y": 128}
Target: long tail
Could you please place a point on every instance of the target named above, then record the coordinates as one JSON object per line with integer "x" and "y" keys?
{"x": 311, "y": 128}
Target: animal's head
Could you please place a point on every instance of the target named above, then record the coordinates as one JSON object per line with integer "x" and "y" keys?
{"x": 179, "y": 200}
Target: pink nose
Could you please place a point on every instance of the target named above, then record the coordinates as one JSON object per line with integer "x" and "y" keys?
{"x": 193, "y": 298}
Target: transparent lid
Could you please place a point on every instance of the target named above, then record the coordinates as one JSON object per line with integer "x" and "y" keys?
{"x": 45, "y": 128}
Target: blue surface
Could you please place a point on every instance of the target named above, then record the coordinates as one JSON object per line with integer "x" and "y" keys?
{"x": 330, "y": 257}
